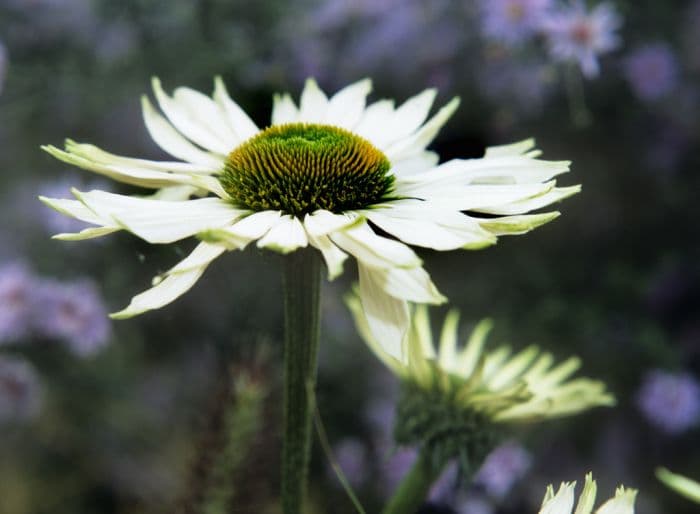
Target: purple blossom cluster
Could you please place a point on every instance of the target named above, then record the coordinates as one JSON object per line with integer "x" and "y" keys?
{"x": 652, "y": 71}
{"x": 670, "y": 401}
{"x": 72, "y": 313}
{"x": 20, "y": 390}
{"x": 573, "y": 32}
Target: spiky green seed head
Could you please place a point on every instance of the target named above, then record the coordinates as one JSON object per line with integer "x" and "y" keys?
{"x": 299, "y": 168}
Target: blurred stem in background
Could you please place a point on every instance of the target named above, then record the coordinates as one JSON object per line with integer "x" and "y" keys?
{"x": 302, "y": 284}
{"x": 414, "y": 487}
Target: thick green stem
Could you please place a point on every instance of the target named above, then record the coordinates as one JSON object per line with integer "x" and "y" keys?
{"x": 414, "y": 488}
{"x": 302, "y": 284}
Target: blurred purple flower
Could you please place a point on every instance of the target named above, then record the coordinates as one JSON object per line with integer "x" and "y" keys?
{"x": 574, "y": 34}
{"x": 445, "y": 487}
{"x": 503, "y": 467}
{"x": 670, "y": 402}
{"x": 20, "y": 390}
{"x": 512, "y": 21}
{"x": 18, "y": 289}
{"x": 351, "y": 455}
{"x": 75, "y": 314}
{"x": 652, "y": 71}
{"x": 333, "y": 13}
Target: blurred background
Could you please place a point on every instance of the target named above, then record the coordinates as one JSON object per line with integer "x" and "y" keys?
{"x": 124, "y": 417}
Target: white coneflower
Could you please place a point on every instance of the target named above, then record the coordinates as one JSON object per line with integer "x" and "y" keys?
{"x": 326, "y": 173}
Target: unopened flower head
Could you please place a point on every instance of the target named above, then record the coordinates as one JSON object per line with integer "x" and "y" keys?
{"x": 577, "y": 35}
{"x": 455, "y": 399}
{"x": 326, "y": 173}
{"x": 562, "y": 502}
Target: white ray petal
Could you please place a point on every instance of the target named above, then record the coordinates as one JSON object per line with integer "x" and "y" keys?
{"x": 417, "y": 141}
{"x": 239, "y": 121}
{"x": 410, "y": 115}
{"x": 322, "y": 222}
{"x": 187, "y": 122}
{"x": 371, "y": 125}
{"x": 96, "y": 154}
{"x": 372, "y": 250}
{"x": 525, "y": 147}
{"x": 412, "y": 284}
{"x": 285, "y": 236}
{"x": 159, "y": 221}
{"x": 622, "y": 503}
{"x": 333, "y": 255}
{"x": 207, "y": 113}
{"x": 313, "y": 104}
{"x": 387, "y": 317}
{"x": 167, "y": 289}
{"x": 530, "y": 204}
{"x": 170, "y": 140}
{"x": 126, "y": 174}
{"x": 562, "y": 502}
{"x": 284, "y": 110}
{"x": 346, "y": 107}
{"x": 417, "y": 164}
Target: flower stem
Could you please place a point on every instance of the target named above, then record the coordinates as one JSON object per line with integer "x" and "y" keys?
{"x": 414, "y": 487}
{"x": 302, "y": 285}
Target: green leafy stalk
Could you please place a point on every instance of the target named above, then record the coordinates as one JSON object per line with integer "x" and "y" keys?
{"x": 414, "y": 487}
{"x": 302, "y": 285}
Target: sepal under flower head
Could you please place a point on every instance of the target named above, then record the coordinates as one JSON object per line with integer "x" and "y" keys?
{"x": 464, "y": 394}
{"x": 562, "y": 502}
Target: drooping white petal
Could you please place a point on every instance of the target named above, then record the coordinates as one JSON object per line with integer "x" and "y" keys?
{"x": 170, "y": 140}
{"x": 202, "y": 255}
{"x": 256, "y": 225}
{"x": 525, "y": 147}
{"x": 333, "y": 255}
{"x": 96, "y": 154}
{"x": 74, "y": 209}
{"x": 447, "y": 355}
{"x": 372, "y": 250}
{"x": 417, "y": 141}
{"x": 562, "y": 502}
{"x": 167, "y": 289}
{"x": 284, "y": 110}
{"x": 346, "y": 107}
{"x": 285, "y": 236}
{"x": 187, "y": 122}
{"x": 513, "y": 225}
{"x": 412, "y": 284}
{"x": 387, "y": 317}
{"x": 415, "y": 164}
{"x": 127, "y": 174}
{"x": 86, "y": 233}
{"x": 322, "y": 222}
{"x": 313, "y": 106}
{"x": 159, "y": 221}
{"x": 423, "y": 233}
{"x": 238, "y": 120}
{"x": 481, "y": 198}
{"x": 502, "y": 170}
{"x": 530, "y": 204}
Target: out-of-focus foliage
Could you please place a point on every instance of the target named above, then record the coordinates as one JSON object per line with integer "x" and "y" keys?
{"x": 108, "y": 417}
